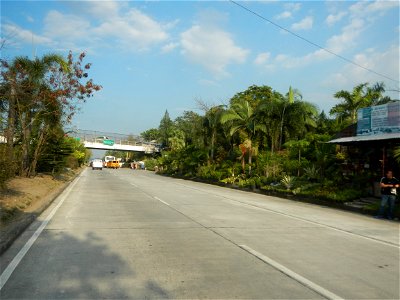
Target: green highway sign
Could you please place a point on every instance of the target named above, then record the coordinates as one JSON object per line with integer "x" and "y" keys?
{"x": 108, "y": 142}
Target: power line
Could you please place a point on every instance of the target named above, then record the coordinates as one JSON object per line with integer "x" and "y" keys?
{"x": 311, "y": 42}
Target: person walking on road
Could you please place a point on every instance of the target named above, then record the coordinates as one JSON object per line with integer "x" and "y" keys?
{"x": 389, "y": 185}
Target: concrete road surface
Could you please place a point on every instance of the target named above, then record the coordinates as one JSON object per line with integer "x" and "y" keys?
{"x": 124, "y": 234}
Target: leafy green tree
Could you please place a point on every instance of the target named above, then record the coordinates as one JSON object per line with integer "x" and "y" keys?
{"x": 41, "y": 94}
{"x": 176, "y": 139}
{"x": 52, "y": 157}
{"x": 165, "y": 129}
{"x": 242, "y": 120}
{"x": 298, "y": 146}
{"x": 151, "y": 134}
{"x": 190, "y": 123}
{"x": 32, "y": 102}
{"x": 255, "y": 95}
{"x": 361, "y": 96}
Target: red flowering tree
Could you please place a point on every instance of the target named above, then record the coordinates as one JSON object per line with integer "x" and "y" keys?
{"x": 37, "y": 97}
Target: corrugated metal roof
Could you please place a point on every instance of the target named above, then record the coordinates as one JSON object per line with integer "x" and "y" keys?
{"x": 365, "y": 138}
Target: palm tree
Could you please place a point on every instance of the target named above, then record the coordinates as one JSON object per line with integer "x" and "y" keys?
{"x": 289, "y": 117}
{"x": 269, "y": 113}
{"x": 290, "y": 98}
{"x": 396, "y": 154}
{"x": 31, "y": 103}
{"x": 244, "y": 121}
{"x": 300, "y": 118}
{"x": 211, "y": 124}
{"x": 361, "y": 96}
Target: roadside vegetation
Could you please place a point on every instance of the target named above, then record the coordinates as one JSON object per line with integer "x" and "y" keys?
{"x": 260, "y": 139}
{"x": 37, "y": 98}
{"x": 264, "y": 140}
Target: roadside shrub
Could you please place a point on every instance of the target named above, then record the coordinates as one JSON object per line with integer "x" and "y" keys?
{"x": 209, "y": 172}
{"x": 311, "y": 173}
{"x": 344, "y": 195}
{"x": 288, "y": 182}
{"x": 8, "y": 213}
{"x": 151, "y": 164}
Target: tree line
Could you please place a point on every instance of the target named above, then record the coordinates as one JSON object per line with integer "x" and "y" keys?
{"x": 260, "y": 136}
{"x": 37, "y": 98}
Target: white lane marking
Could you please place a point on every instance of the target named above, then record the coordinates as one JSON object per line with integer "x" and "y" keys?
{"x": 17, "y": 259}
{"x": 377, "y": 240}
{"x": 327, "y": 226}
{"x": 304, "y": 281}
{"x": 134, "y": 185}
{"x": 155, "y": 197}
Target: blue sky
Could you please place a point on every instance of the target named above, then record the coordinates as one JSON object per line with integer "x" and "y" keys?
{"x": 150, "y": 56}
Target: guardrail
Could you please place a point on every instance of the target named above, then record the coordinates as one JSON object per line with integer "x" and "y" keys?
{"x": 137, "y": 148}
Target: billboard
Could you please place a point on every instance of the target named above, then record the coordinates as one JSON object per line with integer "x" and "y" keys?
{"x": 379, "y": 119}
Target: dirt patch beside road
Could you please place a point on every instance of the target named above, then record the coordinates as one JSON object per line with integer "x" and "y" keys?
{"x": 26, "y": 198}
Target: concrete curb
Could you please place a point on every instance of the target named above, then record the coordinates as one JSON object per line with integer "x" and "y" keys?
{"x": 15, "y": 228}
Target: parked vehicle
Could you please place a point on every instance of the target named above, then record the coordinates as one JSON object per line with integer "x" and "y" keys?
{"x": 97, "y": 164}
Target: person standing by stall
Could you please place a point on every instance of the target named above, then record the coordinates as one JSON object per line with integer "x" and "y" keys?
{"x": 389, "y": 185}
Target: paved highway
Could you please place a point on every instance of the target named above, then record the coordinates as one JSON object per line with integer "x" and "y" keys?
{"x": 124, "y": 234}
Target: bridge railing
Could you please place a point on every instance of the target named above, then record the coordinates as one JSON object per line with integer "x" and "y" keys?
{"x": 99, "y": 136}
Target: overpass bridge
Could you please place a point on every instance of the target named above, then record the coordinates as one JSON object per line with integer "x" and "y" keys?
{"x": 113, "y": 141}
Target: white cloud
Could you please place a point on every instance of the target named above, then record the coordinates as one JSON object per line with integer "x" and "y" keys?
{"x": 209, "y": 83}
{"x": 61, "y": 27}
{"x": 134, "y": 30}
{"x": 102, "y": 9}
{"x": 96, "y": 22}
{"x": 382, "y": 5}
{"x": 262, "y": 58}
{"x": 290, "y": 8}
{"x": 332, "y": 19}
{"x": 304, "y": 24}
{"x": 338, "y": 43}
{"x": 169, "y": 47}
{"x": 284, "y": 15}
{"x": 365, "y": 8}
{"x": 20, "y": 35}
{"x": 293, "y": 6}
{"x": 212, "y": 48}
{"x": 385, "y": 63}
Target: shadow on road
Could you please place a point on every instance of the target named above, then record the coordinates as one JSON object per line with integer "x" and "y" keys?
{"x": 61, "y": 266}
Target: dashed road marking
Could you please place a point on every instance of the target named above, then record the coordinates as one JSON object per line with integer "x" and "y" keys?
{"x": 155, "y": 197}
{"x": 304, "y": 281}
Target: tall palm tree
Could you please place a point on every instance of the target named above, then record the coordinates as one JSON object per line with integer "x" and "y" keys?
{"x": 289, "y": 117}
{"x": 269, "y": 113}
{"x": 243, "y": 120}
{"x": 291, "y": 96}
{"x": 211, "y": 124}
{"x": 300, "y": 118}
{"x": 361, "y": 96}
